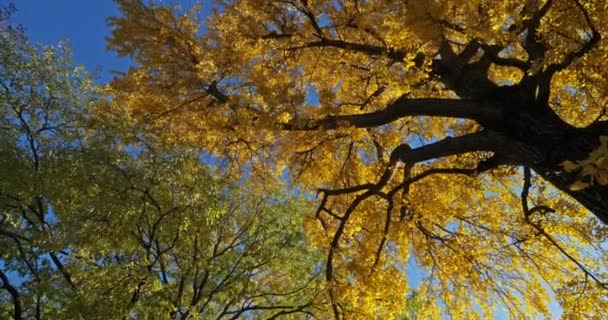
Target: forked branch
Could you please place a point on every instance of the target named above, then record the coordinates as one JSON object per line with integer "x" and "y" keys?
{"x": 403, "y": 153}
{"x": 479, "y": 141}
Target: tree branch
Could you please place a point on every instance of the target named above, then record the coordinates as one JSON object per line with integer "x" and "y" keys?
{"x": 537, "y": 226}
{"x": 478, "y": 141}
{"x": 66, "y": 275}
{"x": 492, "y": 52}
{"x": 535, "y": 49}
{"x": 403, "y": 107}
{"x": 484, "y": 140}
{"x": 570, "y": 57}
{"x": 368, "y": 49}
{"x": 473, "y": 142}
{"x": 14, "y": 294}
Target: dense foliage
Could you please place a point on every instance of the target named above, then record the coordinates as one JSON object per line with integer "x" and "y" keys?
{"x": 463, "y": 141}
{"x": 97, "y": 221}
{"x": 466, "y": 134}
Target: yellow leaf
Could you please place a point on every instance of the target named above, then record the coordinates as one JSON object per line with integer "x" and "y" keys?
{"x": 579, "y": 185}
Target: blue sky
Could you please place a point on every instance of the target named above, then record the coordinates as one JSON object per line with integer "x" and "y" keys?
{"x": 82, "y": 22}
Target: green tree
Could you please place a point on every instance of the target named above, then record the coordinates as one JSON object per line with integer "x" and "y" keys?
{"x": 98, "y": 221}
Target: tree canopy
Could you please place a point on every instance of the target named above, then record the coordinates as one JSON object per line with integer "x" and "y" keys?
{"x": 466, "y": 137}
{"x": 470, "y": 135}
{"x": 98, "y": 221}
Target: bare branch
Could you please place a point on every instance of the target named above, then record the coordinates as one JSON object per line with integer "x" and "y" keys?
{"x": 403, "y": 107}
{"x": 492, "y": 52}
{"x": 535, "y": 49}
{"x": 478, "y": 141}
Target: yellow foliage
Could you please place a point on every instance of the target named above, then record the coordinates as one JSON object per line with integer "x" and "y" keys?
{"x": 247, "y": 92}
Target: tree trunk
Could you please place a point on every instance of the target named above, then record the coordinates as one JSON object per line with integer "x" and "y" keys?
{"x": 539, "y": 138}
{"x": 548, "y": 141}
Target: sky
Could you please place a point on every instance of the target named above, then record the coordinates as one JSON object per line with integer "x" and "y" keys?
{"x": 81, "y": 22}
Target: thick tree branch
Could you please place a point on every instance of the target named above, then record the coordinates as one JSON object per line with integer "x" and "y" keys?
{"x": 215, "y": 92}
{"x": 473, "y": 142}
{"x": 17, "y": 313}
{"x": 478, "y": 141}
{"x": 403, "y": 107}
{"x": 482, "y": 140}
{"x": 369, "y": 49}
{"x": 486, "y": 141}
{"x": 469, "y": 80}
{"x": 492, "y": 53}
{"x": 525, "y": 191}
{"x": 530, "y": 26}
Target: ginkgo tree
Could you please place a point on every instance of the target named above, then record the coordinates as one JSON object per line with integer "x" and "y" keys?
{"x": 98, "y": 221}
{"x": 470, "y": 135}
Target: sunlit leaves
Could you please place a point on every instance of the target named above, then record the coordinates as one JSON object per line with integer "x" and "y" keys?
{"x": 241, "y": 89}
{"x": 101, "y": 219}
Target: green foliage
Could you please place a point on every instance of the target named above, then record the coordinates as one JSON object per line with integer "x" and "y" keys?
{"x": 97, "y": 221}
